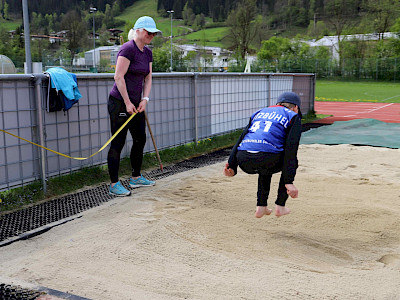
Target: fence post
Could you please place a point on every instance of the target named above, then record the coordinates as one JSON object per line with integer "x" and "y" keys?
{"x": 269, "y": 89}
{"x": 196, "y": 112}
{"x": 40, "y": 129}
{"x": 312, "y": 87}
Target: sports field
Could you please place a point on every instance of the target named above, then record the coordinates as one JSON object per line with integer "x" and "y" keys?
{"x": 382, "y": 92}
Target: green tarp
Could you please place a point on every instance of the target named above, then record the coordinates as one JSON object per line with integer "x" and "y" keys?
{"x": 369, "y": 132}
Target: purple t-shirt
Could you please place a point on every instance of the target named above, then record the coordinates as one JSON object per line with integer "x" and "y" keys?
{"x": 138, "y": 69}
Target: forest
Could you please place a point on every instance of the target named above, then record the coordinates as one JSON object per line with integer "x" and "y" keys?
{"x": 44, "y": 7}
{"x": 277, "y": 12}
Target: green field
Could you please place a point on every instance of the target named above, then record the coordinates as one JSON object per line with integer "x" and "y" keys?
{"x": 211, "y": 34}
{"x": 10, "y": 25}
{"x": 181, "y": 32}
{"x": 140, "y": 8}
{"x": 385, "y": 92}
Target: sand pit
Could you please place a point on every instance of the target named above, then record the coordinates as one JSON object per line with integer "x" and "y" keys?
{"x": 194, "y": 236}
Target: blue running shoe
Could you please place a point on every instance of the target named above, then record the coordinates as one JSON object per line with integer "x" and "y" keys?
{"x": 141, "y": 181}
{"x": 118, "y": 190}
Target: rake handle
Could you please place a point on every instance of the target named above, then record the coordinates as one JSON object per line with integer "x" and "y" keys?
{"x": 154, "y": 141}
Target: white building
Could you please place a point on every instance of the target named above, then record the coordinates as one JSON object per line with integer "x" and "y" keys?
{"x": 332, "y": 41}
{"x": 214, "y": 56}
{"x": 108, "y": 53}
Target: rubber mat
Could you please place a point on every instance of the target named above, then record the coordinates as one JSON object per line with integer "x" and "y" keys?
{"x": 366, "y": 132}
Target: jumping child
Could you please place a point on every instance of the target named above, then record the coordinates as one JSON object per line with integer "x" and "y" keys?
{"x": 269, "y": 145}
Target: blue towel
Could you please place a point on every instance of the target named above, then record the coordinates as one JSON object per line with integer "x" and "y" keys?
{"x": 66, "y": 82}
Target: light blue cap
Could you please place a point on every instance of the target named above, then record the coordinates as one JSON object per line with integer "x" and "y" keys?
{"x": 146, "y": 23}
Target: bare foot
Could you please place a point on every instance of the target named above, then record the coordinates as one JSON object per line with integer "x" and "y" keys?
{"x": 281, "y": 211}
{"x": 262, "y": 211}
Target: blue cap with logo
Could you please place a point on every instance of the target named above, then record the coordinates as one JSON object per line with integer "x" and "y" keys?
{"x": 147, "y": 23}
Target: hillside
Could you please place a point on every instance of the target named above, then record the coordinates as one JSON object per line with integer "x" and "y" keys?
{"x": 203, "y": 21}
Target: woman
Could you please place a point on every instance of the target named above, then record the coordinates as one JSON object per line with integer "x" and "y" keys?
{"x": 129, "y": 95}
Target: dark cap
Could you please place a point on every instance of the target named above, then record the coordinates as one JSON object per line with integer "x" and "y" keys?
{"x": 289, "y": 97}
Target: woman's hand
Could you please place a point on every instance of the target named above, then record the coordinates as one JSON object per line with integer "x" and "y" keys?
{"x": 142, "y": 106}
{"x": 130, "y": 108}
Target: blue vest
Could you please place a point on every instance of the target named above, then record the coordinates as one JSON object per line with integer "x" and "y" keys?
{"x": 267, "y": 131}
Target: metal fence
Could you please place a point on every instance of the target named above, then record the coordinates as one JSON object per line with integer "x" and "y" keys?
{"x": 184, "y": 107}
{"x": 386, "y": 69}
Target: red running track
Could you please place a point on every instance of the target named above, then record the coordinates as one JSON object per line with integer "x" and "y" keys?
{"x": 345, "y": 111}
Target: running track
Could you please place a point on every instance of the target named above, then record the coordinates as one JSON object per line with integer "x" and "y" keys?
{"x": 345, "y": 111}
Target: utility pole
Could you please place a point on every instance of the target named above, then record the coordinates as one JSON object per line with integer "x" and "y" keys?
{"x": 315, "y": 19}
{"x": 27, "y": 36}
{"x": 93, "y": 10}
{"x": 170, "y": 13}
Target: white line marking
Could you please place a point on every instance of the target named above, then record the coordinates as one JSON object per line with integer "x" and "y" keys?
{"x": 375, "y": 109}
{"x": 390, "y": 98}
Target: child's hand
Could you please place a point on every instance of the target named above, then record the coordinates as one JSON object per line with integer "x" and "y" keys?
{"x": 292, "y": 190}
{"x": 228, "y": 171}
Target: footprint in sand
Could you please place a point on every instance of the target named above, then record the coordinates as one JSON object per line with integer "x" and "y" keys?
{"x": 392, "y": 260}
{"x": 146, "y": 216}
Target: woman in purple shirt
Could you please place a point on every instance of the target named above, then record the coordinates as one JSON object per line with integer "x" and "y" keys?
{"x": 129, "y": 95}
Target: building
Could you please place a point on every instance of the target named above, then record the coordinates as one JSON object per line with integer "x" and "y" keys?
{"x": 107, "y": 53}
{"x": 115, "y": 35}
{"x": 206, "y": 57}
{"x": 332, "y": 41}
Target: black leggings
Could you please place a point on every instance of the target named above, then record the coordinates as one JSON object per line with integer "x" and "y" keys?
{"x": 264, "y": 164}
{"x": 137, "y": 128}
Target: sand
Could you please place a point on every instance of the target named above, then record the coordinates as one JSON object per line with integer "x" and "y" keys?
{"x": 194, "y": 236}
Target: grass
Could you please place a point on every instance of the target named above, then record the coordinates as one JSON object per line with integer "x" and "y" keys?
{"x": 140, "y": 8}
{"x": 357, "y": 91}
{"x": 10, "y": 25}
{"x": 208, "y": 34}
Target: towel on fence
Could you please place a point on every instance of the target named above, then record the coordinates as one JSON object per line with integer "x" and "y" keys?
{"x": 65, "y": 82}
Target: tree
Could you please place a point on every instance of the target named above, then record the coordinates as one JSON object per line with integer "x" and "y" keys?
{"x": 5, "y": 10}
{"x": 162, "y": 56}
{"x": 108, "y": 21}
{"x": 396, "y": 27}
{"x": 50, "y": 20}
{"x": 242, "y": 26}
{"x": 115, "y": 10}
{"x": 199, "y": 22}
{"x": 188, "y": 15}
{"x": 76, "y": 31}
{"x": 104, "y": 38}
{"x": 342, "y": 15}
{"x": 274, "y": 48}
{"x": 317, "y": 30}
{"x": 38, "y": 23}
{"x": 382, "y": 14}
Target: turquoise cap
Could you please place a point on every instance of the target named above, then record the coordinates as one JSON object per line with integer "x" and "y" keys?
{"x": 147, "y": 23}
